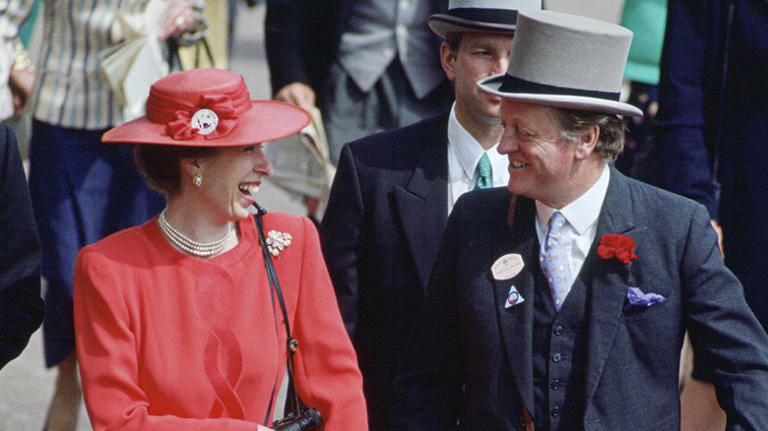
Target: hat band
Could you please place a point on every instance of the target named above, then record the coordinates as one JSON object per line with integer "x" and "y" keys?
{"x": 183, "y": 117}
{"x": 510, "y": 84}
{"x": 485, "y": 15}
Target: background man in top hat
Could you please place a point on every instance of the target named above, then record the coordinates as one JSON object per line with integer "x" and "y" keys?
{"x": 565, "y": 307}
{"x": 393, "y": 192}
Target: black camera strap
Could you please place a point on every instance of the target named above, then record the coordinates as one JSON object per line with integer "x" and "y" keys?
{"x": 295, "y": 403}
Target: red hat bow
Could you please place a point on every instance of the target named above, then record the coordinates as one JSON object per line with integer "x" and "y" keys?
{"x": 212, "y": 117}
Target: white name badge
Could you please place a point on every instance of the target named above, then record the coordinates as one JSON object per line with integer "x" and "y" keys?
{"x": 507, "y": 266}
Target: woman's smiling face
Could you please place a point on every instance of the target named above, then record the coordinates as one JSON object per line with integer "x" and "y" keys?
{"x": 230, "y": 179}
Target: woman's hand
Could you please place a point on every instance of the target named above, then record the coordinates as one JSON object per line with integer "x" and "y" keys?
{"x": 179, "y": 20}
{"x": 21, "y": 82}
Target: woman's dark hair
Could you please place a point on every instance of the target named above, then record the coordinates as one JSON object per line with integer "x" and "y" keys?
{"x": 160, "y": 164}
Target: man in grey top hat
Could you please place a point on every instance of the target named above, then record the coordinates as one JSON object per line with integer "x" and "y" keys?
{"x": 393, "y": 192}
{"x": 560, "y": 303}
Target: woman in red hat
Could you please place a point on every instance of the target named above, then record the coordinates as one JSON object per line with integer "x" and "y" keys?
{"x": 177, "y": 323}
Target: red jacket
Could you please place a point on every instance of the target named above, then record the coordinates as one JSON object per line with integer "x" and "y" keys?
{"x": 167, "y": 341}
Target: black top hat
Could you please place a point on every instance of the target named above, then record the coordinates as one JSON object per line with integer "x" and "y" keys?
{"x": 494, "y": 16}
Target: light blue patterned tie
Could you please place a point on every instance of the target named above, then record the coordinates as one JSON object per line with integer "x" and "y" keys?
{"x": 484, "y": 178}
{"x": 554, "y": 259}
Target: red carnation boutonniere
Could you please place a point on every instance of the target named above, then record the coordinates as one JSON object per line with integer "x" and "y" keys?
{"x": 616, "y": 245}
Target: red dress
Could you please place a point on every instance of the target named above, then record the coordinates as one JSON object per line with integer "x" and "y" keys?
{"x": 167, "y": 341}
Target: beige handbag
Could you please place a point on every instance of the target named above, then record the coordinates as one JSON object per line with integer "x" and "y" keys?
{"x": 131, "y": 66}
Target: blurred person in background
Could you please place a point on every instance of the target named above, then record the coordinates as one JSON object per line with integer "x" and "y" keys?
{"x": 712, "y": 134}
{"x": 711, "y": 138}
{"x": 21, "y": 308}
{"x": 368, "y": 64}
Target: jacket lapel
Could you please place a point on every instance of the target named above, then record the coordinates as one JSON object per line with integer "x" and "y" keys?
{"x": 422, "y": 204}
{"x": 609, "y": 279}
{"x": 516, "y": 322}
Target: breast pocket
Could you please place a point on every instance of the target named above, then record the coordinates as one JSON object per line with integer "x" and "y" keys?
{"x": 659, "y": 310}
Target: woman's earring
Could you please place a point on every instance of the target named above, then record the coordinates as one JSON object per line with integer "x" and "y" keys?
{"x": 198, "y": 180}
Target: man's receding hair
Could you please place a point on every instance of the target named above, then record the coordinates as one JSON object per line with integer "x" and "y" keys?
{"x": 574, "y": 123}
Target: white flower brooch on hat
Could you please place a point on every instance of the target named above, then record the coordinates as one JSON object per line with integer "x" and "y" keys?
{"x": 277, "y": 241}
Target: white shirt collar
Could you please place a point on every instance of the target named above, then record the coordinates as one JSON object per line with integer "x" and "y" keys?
{"x": 468, "y": 151}
{"x": 585, "y": 210}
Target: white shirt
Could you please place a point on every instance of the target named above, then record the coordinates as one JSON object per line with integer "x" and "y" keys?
{"x": 582, "y": 215}
{"x": 463, "y": 154}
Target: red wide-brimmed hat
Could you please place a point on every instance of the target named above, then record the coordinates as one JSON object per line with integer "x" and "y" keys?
{"x": 208, "y": 108}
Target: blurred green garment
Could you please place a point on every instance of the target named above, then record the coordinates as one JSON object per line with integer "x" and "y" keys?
{"x": 26, "y": 31}
{"x": 647, "y": 20}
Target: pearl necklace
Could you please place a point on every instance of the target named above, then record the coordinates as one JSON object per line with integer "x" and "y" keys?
{"x": 189, "y": 246}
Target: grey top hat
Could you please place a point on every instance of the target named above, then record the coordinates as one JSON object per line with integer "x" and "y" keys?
{"x": 566, "y": 61}
{"x": 480, "y": 16}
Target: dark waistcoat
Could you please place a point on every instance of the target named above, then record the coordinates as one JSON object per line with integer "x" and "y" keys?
{"x": 559, "y": 353}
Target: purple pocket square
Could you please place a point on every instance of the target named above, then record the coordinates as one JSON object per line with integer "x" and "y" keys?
{"x": 636, "y": 299}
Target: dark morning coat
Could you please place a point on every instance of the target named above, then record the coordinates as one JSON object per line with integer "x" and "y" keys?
{"x": 21, "y": 308}
{"x": 380, "y": 234}
{"x": 465, "y": 337}
{"x": 694, "y": 120}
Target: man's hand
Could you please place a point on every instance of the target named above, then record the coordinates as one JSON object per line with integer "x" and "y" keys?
{"x": 299, "y": 94}
{"x": 179, "y": 20}
{"x": 719, "y": 231}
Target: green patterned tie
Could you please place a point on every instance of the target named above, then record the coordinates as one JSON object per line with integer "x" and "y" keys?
{"x": 484, "y": 178}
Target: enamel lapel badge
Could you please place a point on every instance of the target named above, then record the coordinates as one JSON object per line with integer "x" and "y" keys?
{"x": 513, "y": 297}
